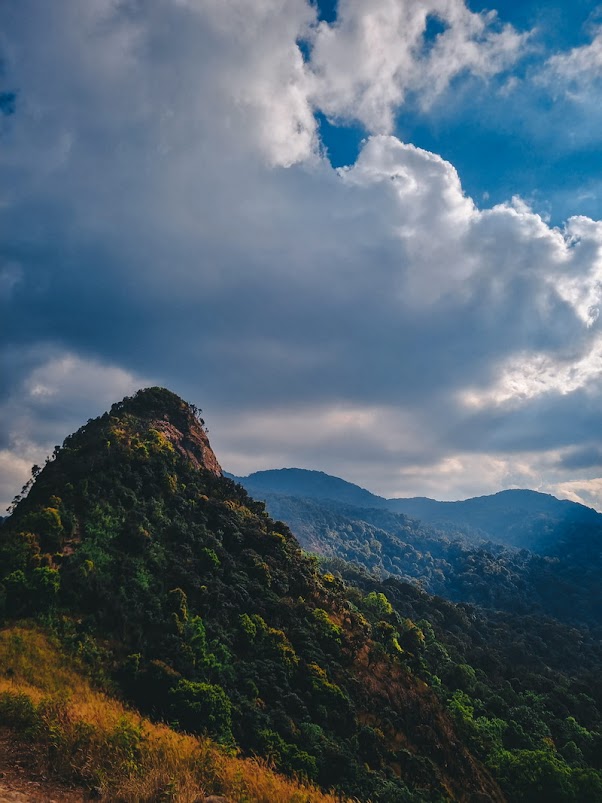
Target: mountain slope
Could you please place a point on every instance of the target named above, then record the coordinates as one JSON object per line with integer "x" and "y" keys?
{"x": 207, "y": 613}
{"x": 520, "y": 518}
{"x": 58, "y": 726}
{"x": 525, "y": 691}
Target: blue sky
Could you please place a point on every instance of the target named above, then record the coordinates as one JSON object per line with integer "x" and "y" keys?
{"x": 363, "y": 239}
{"x": 505, "y": 143}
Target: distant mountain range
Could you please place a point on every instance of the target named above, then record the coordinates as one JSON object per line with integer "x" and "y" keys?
{"x": 516, "y": 518}
{"x": 517, "y": 551}
{"x": 309, "y": 484}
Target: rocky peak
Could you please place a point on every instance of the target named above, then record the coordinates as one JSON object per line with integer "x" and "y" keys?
{"x": 179, "y": 422}
{"x": 191, "y": 443}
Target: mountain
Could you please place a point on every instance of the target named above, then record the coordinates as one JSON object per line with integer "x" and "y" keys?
{"x": 208, "y": 614}
{"x": 517, "y": 518}
{"x": 463, "y": 551}
{"x": 133, "y": 563}
{"x": 520, "y": 518}
{"x": 309, "y": 485}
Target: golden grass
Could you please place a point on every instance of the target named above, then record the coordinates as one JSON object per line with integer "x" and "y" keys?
{"x": 84, "y": 736}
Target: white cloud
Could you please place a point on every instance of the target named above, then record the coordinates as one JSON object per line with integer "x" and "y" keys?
{"x": 531, "y": 375}
{"x": 68, "y": 377}
{"x": 576, "y": 71}
{"x": 585, "y": 492}
{"x": 376, "y": 52}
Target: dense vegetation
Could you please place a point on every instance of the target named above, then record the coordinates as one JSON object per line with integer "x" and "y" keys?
{"x": 176, "y": 590}
{"x": 525, "y": 691}
{"x": 71, "y": 731}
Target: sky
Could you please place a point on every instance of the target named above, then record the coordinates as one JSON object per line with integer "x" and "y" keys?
{"x": 364, "y": 237}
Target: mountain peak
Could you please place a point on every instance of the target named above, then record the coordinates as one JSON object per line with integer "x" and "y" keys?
{"x": 177, "y": 421}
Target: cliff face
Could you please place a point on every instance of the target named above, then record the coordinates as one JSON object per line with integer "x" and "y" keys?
{"x": 180, "y": 423}
{"x": 213, "y": 617}
{"x": 192, "y": 444}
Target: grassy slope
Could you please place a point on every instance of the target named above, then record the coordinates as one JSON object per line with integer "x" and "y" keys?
{"x": 81, "y": 735}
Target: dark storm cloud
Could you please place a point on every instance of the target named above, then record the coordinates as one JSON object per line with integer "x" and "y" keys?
{"x": 582, "y": 457}
{"x": 8, "y": 103}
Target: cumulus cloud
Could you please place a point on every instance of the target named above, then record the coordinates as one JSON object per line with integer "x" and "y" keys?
{"x": 527, "y": 376}
{"x": 585, "y": 492}
{"x": 168, "y": 216}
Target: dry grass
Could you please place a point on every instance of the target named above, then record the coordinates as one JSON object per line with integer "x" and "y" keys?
{"x": 83, "y": 736}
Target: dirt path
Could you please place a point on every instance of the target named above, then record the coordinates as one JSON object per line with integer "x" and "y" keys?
{"x": 20, "y": 783}
{"x": 24, "y": 790}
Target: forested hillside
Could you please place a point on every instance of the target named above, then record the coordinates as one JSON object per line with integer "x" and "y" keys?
{"x": 525, "y": 691}
{"x": 175, "y": 591}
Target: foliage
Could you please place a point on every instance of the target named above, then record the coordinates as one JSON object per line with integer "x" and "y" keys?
{"x": 80, "y": 735}
{"x": 202, "y": 706}
{"x": 563, "y": 582}
{"x": 524, "y": 692}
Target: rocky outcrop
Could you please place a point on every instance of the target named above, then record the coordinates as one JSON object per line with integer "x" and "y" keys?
{"x": 192, "y": 444}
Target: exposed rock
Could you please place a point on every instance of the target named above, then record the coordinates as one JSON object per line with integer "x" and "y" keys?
{"x": 192, "y": 443}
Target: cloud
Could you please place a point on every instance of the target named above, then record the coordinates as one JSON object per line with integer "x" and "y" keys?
{"x": 565, "y": 96}
{"x": 10, "y": 276}
{"x": 168, "y": 217}
{"x": 528, "y": 376}
{"x": 585, "y": 492}
{"x": 376, "y": 53}
{"x": 583, "y": 457}
{"x": 576, "y": 72}
{"x": 8, "y": 102}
